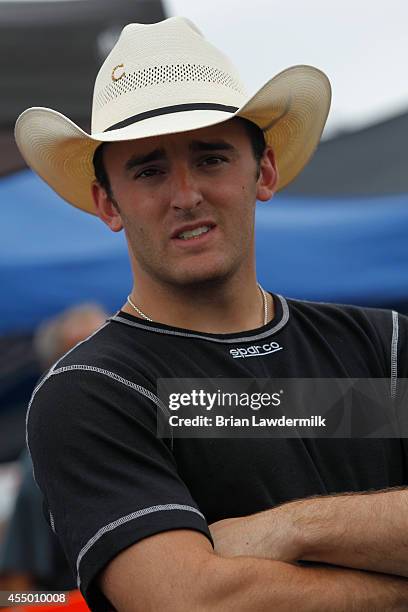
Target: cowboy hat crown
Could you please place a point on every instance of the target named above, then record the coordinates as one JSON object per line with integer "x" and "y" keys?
{"x": 176, "y": 68}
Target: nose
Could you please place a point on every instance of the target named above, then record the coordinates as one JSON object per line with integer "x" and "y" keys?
{"x": 185, "y": 193}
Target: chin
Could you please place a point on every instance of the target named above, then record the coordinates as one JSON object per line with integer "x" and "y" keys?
{"x": 181, "y": 274}
{"x": 194, "y": 276}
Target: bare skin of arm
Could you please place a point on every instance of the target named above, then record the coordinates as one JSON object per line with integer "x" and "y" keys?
{"x": 361, "y": 531}
{"x": 178, "y": 570}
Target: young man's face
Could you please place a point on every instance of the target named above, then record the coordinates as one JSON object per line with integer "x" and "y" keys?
{"x": 204, "y": 181}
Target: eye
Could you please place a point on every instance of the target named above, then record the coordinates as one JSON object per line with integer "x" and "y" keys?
{"x": 213, "y": 160}
{"x": 148, "y": 173}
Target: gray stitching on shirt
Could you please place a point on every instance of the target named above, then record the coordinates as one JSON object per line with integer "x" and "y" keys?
{"x": 151, "y": 396}
{"x": 48, "y": 375}
{"x": 79, "y": 343}
{"x": 52, "y": 522}
{"x": 197, "y": 336}
{"x": 126, "y": 519}
{"x": 112, "y": 375}
{"x": 37, "y": 388}
{"x": 394, "y": 355}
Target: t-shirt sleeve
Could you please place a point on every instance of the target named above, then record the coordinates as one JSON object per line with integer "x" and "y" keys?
{"x": 108, "y": 480}
{"x": 401, "y": 333}
{"x": 400, "y": 367}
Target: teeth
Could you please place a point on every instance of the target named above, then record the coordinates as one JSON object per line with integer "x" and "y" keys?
{"x": 195, "y": 232}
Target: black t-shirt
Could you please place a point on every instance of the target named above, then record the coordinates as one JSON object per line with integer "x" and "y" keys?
{"x": 108, "y": 480}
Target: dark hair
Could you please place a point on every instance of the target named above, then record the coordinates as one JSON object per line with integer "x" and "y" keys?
{"x": 100, "y": 171}
{"x": 255, "y": 134}
{"x": 256, "y": 137}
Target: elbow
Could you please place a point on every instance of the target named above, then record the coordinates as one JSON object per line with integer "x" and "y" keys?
{"x": 213, "y": 584}
{"x": 222, "y": 583}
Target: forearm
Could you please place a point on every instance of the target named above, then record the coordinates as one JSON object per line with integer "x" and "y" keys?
{"x": 178, "y": 570}
{"x": 361, "y": 531}
{"x": 367, "y": 531}
{"x": 243, "y": 584}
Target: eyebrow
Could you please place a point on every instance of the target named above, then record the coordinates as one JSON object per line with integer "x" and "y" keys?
{"x": 138, "y": 160}
{"x": 219, "y": 145}
{"x": 160, "y": 154}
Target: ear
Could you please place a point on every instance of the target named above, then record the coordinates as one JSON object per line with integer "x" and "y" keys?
{"x": 105, "y": 208}
{"x": 268, "y": 176}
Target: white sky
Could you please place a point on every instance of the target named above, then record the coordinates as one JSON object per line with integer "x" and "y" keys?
{"x": 362, "y": 45}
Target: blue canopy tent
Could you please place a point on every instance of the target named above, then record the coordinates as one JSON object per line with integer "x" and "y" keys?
{"x": 327, "y": 249}
{"x": 345, "y": 250}
{"x": 53, "y": 256}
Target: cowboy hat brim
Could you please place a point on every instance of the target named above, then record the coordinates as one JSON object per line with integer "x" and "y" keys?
{"x": 291, "y": 109}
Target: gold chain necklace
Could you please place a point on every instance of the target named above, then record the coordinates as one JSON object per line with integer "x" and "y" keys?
{"x": 264, "y": 301}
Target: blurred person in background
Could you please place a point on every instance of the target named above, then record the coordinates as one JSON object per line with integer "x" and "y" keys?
{"x": 178, "y": 157}
{"x": 31, "y": 558}
{"x": 60, "y": 334}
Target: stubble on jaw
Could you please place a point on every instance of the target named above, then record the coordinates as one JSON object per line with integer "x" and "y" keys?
{"x": 152, "y": 261}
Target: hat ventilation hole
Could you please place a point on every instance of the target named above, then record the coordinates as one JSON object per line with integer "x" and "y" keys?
{"x": 158, "y": 75}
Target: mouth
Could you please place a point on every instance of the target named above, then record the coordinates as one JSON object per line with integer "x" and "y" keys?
{"x": 193, "y": 233}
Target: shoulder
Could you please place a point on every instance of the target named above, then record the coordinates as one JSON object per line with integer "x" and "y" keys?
{"x": 115, "y": 350}
{"x": 102, "y": 379}
{"x": 371, "y": 331}
{"x": 345, "y": 317}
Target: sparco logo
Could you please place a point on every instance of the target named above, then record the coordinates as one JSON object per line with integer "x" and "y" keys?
{"x": 256, "y": 350}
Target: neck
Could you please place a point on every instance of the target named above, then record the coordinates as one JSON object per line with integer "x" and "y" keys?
{"x": 228, "y": 307}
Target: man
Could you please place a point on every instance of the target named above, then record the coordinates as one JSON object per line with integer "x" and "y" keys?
{"x": 179, "y": 162}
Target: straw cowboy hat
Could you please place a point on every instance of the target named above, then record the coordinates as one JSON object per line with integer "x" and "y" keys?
{"x": 165, "y": 78}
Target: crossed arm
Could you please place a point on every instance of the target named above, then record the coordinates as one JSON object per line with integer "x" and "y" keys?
{"x": 362, "y": 531}
{"x": 253, "y": 566}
